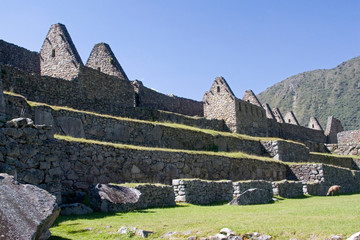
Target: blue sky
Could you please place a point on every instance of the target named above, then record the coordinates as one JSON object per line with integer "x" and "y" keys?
{"x": 179, "y": 47}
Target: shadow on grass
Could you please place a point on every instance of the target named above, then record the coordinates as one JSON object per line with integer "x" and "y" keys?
{"x": 58, "y": 238}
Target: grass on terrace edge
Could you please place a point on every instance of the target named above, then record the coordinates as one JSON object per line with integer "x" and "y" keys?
{"x": 302, "y": 218}
{"x": 335, "y": 155}
{"x": 166, "y": 124}
{"x": 127, "y": 146}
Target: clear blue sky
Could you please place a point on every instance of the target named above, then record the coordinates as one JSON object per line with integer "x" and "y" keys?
{"x": 179, "y": 47}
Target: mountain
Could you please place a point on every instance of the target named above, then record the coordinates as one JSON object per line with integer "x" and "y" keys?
{"x": 320, "y": 93}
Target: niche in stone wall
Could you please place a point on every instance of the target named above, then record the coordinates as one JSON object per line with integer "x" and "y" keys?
{"x": 53, "y": 53}
{"x": 218, "y": 89}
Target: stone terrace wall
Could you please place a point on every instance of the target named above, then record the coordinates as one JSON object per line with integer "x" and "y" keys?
{"x": 16, "y": 103}
{"x": 242, "y": 186}
{"x": 92, "y": 90}
{"x": 19, "y": 57}
{"x": 288, "y": 189}
{"x": 328, "y": 175}
{"x": 149, "y": 98}
{"x": 345, "y": 149}
{"x": 294, "y": 132}
{"x": 286, "y": 151}
{"x": 84, "y": 164}
{"x": 25, "y": 153}
{"x": 202, "y": 192}
{"x": 351, "y": 137}
{"x": 344, "y": 162}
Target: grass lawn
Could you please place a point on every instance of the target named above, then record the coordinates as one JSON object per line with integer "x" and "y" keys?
{"x": 285, "y": 219}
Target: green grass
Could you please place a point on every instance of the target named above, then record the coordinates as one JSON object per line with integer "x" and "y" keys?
{"x": 335, "y": 155}
{"x": 288, "y": 218}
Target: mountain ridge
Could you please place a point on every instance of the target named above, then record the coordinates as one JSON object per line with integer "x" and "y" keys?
{"x": 320, "y": 93}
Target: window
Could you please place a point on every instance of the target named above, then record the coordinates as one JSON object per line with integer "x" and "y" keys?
{"x": 99, "y": 69}
{"x": 312, "y": 125}
{"x": 240, "y": 107}
{"x": 289, "y": 120}
{"x": 53, "y": 53}
{"x": 218, "y": 89}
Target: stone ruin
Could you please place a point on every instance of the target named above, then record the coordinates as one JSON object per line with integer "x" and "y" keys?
{"x": 142, "y": 136}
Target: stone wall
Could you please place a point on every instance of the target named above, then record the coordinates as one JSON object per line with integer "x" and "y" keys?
{"x": 202, "y": 192}
{"x": 294, "y": 132}
{"x": 250, "y": 119}
{"x": 16, "y": 103}
{"x": 344, "y": 162}
{"x": 349, "y": 137}
{"x": 286, "y": 151}
{"x": 19, "y": 57}
{"x": 103, "y": 59}
{"x": 242, "y": 186}
{"x": 288, "y": 189}
{"x": 219, "y": 103}
{"x": 326, "y": 175}
{"x": 25, "y": 153}
{"x": 345, "y": 149}
{"x": 148, "y": 98}
{"x": 91, "y": 90}
{"x": 58, "y": 55}
{"x": 2, "y": 101}
{"x": 84, "y": 164}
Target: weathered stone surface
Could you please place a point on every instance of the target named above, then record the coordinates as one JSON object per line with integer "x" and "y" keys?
{"x": 43, "y": 117}
{"x": 197, "y": 191}
{"x": 75, "y": 209}
{"x": 252, "y": 196}
{"x": 26, "y": 212}
{"x": 355, "y": 236}
{"x": 288, "y": 189}
{"x": 71, "y": 126}
{"x": 20, "y": 122}
{"x": 242, "y": 186}
{"x": 113, "y": 198}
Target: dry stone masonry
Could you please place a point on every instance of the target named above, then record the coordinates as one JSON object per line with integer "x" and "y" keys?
{"x": 202, "y": 192}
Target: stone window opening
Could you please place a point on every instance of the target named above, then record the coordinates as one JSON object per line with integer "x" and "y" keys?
{"x": 312, "y": 125}
{"x": 289, "y": 120}
{"x": 99, "y": 69}
{"x": 240, "y": 107}
{"x": 53, "y": 53}
{"x": 218, "y": 89}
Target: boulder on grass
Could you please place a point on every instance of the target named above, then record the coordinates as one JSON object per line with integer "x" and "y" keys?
{"x": 26, "y": 211}
{"x": 252, "y": 196}
{"x": 112, "y": 198}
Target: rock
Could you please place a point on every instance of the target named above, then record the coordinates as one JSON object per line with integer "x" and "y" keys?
{"x": 142, "y": 233}
{"x": 43, "y": 117}
{"x": 228, "y": 232}
{"x": 26, "y": 212}
{"x": 71, "y": 126}
{"x": 112, "y": 198}
{"x": 355, "y": 236}
{"x": 132, "y": 231}
{"x": 20, "y": 122}
{"x": 252, "y": 196}
{"x": 75, "y": 209}
{"x": 336, "y": 237}
{"x": 218, "y": 236}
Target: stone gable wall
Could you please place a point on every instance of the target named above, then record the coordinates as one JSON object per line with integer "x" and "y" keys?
{"x": 19, "y": 57}
{"x": 58, "y": 55}
{"x": 286, "y": 151}
{"x": 219, "y": 103}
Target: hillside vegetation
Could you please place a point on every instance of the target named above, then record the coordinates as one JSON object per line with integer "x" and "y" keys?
{"x": 320, "y": 93}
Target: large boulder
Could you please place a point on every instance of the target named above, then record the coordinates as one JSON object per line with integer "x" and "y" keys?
{"x": 115, "y": 198}
{"x": 26, "y": 212}
{"x": 252, "y": 196}
{"x": 71, "y": 126}
{"x": 112, "y": 198}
